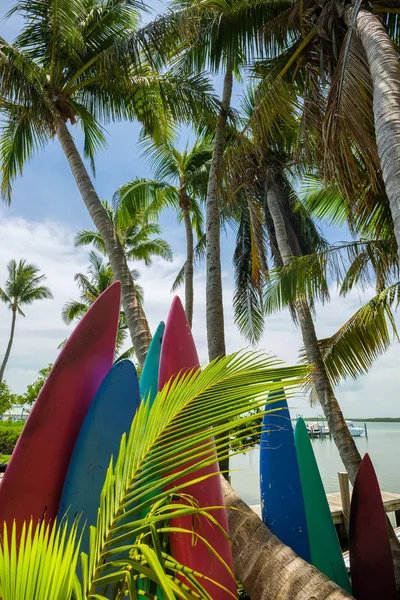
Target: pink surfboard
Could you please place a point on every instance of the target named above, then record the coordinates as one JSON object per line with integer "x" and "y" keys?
{"x": 178, "y": 353}
{"x": 33, "y": 482}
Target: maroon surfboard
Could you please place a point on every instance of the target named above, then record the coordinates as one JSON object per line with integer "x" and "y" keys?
{"x": 33, "y": 482}
{"x": 178, "y": 353}
{"x": 371, "y": 562}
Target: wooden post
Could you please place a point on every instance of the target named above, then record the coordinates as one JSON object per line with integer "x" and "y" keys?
{"x": 345, "y": 498}
{"x": 366, "y": 430}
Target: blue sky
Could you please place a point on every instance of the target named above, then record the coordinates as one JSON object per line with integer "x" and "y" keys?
{"x": 40, "y": 224}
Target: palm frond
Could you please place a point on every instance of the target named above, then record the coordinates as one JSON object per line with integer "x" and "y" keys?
{"x": 142, "y": 479}
{"x": 354, "y": 348}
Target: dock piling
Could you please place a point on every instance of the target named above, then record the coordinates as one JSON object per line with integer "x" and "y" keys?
{"x": 345, "y": 498}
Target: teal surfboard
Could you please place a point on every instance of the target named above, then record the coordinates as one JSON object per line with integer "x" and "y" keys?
{"x": 109, "y": 416}
{"x": 326, "y": 554}
{"x": 149, "y": 376}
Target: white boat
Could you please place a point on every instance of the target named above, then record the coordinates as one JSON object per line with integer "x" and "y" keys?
{"x": 355, "y": 431}
{"x": 314, "y": 429}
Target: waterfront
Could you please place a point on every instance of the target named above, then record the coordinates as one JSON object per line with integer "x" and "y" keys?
{"x": 382, "y": 444}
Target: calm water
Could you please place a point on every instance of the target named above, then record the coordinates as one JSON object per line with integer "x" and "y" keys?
{"x": 383, "y": 446}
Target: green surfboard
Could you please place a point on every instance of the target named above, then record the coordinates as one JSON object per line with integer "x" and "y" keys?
{"x": 326, "y": 554}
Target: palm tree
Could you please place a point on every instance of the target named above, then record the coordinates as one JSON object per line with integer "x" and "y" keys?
{"x": 98, "y": 278}
{"x": 23, "y": 286}
{"x": 181, "y": 183}
{"x": 235, "y": 384}
{"x": 135, "y": 235}
{"x": 80, "y": 62}
{"x": 268, "y": 202}
{"x": 351, "y": 52}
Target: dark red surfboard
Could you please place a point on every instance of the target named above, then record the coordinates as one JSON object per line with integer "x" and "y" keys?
{"x": 178, "y": 353}
{"x": 33, "y": 482}
{"x": 371, "y": 562}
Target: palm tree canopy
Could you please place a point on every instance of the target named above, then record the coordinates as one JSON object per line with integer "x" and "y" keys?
{"x": 80, "y": 61}
{"x": 135, "y": 234}
{"x": 23, "y": 285}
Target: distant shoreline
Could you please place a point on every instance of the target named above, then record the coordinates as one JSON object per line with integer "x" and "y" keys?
{"x": 360, "y": 419}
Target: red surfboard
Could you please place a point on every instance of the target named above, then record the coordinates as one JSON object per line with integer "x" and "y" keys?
{"x": 371, "y": 562}
{"x": 178, "y": 353}
{"x": 33, "y": 482}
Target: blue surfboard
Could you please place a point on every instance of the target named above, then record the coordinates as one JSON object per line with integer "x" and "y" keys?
{"x": 149, "y": 376}
{"x": 282, "y": 504}
{"x": 109, "y": 416}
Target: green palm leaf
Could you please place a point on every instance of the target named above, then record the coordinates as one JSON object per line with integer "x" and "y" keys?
{"x": 142, "y": 474}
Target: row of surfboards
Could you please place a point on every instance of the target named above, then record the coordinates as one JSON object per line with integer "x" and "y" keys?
{"x": 295, "y": 507}
{"x": 76, "y": 424}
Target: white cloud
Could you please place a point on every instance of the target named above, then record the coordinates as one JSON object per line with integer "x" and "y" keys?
{"x": 50, "y": 246}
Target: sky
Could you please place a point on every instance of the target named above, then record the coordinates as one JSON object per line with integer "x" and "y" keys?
{"x": 42, "y": 220}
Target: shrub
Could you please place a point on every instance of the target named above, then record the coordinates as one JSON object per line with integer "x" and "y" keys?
{"x": 9, "y": 434}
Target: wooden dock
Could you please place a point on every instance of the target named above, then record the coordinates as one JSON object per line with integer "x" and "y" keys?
{"x": 391, "y": 502}
{"x": 339, "y": 504}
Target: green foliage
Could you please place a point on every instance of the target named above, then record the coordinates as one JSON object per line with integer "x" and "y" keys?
{"x": 33, "y": 389}
{"x": 99, "y": 277}
{"x": 135, "y": 231}
{"x": 92, "y": 58}
{"x": 142, "y": 491}
{"x": 23, "y": 285}
{"x": 9, "y": 434}
{"x": 7, "y": 398}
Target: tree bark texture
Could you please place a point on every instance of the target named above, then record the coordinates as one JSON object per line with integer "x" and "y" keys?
{"x": 384, "y": 66}
{"x": 267, "y": 569}
{"x": 135, "y": 317}
{"x": 214, "y": 299}
{"x": 189, "y": 269}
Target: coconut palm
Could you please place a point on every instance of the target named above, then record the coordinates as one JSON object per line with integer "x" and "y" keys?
{"x": 139, "y": 507}
{"x": 97, "y": 279}
{"x": 135, "y": 235}
{"x": 23, "y": 286}
{"x": 79, "y": 62}
{"x": 180, "y": 183}
{"x": 351, "y": 52}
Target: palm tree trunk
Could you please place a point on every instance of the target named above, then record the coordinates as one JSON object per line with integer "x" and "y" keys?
{"x": 214, "y": 297}
{"x": 384, "y": 66}
{"x": 214, "y": 300}
{"x": 337, "y": 425}
{"x": 189, "y": 269}
{"x": 10, "y": 343}
{"x": 135, "y": 317}
{"x": 268, "y": 569}
{"x": 189, "y": 294}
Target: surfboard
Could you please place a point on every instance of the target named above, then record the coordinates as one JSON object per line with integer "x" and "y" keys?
{"x": 371, "y": 562}
{"x": 109, "y": 416}
{"x": 149, "y": 376}
{"x": 34, "y": 478}
{"x": 178, "y": 353}
{"x": 282, "y": 504}
{"x": 325, "y": 549}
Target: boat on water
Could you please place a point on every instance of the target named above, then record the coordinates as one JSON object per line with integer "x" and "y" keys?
{"x": 354, "y": 430}
{"x": 314, "y": 429}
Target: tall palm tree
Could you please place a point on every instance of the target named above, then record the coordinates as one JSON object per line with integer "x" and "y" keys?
{"x": 351, "y": 52}
{"x": 180, "y": 183}
{"x": 97, "y": 279}
{"x": 80, "y": 62}
{"x": 23, "y": 286}
{"x": 264, "y": 181}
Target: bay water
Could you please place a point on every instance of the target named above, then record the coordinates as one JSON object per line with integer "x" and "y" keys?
{"x": 382, "y": 444}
